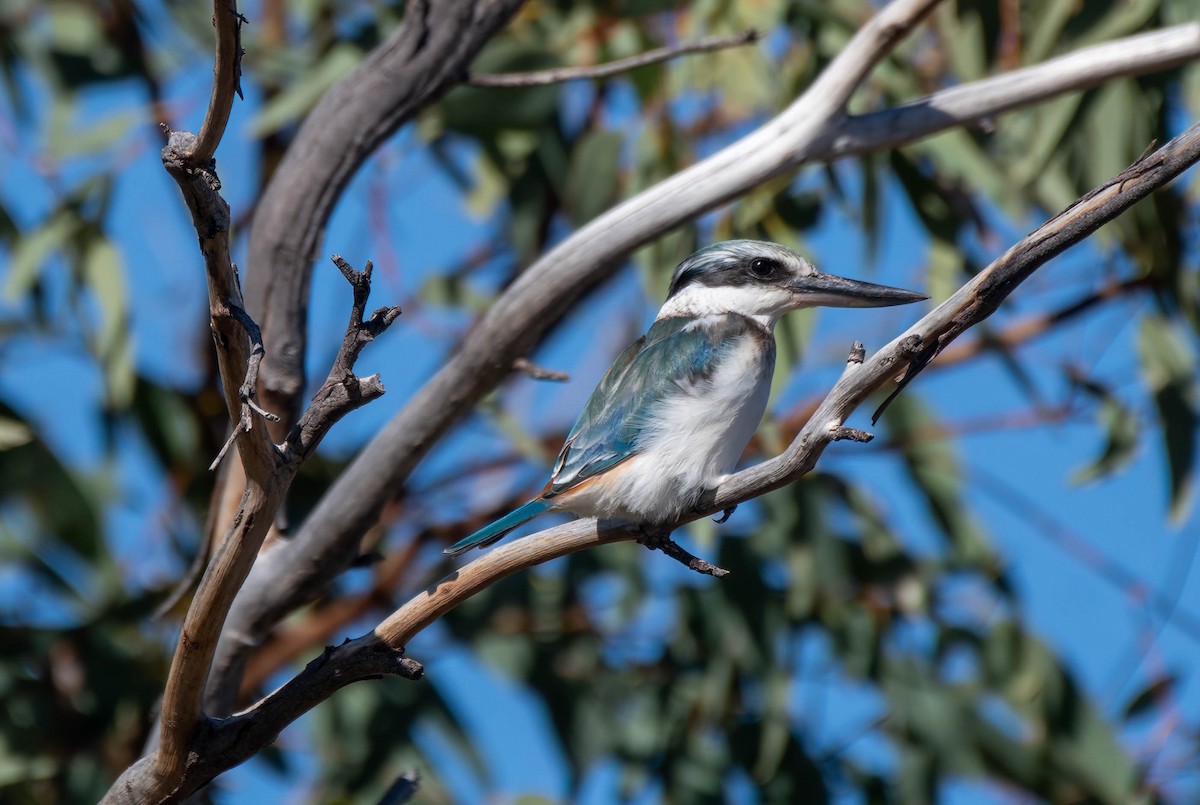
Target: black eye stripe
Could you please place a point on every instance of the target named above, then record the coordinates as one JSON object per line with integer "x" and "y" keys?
{"x": 734, "y": 271}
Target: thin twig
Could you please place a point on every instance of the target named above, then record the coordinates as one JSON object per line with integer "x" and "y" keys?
{"x": 663, "y": 542}
{"x": 233, "y": 434}
{"x": 537, "y": 78}
{"x": 343, "y": 391}
{"x": 528, "y": 367}
{"x": 249, "y": 385}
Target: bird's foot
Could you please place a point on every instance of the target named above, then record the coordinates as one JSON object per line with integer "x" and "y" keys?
{"x": 725, "y": 515}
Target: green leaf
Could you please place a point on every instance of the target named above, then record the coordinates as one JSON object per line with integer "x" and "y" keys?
{"x": 63, "y": 507}
{"x": 442, "y": 290}
{"x": 484, "y": 111}
{"x": 1168, "y": 365}
{"x": 933, "y": 466}
{"x": 302, "y": 95}
{"x": 1091, "y": 757}
{"x": 1120, "y": 427}
{"x": 488, "y": 189}
{"x": 593, "y": 175}
{"x": 1177, "y": 412}
{"x": 64, "y": 142}
{"x": 104, "y": 275}
{"x": 168, "y": 424}
{"x": 13, "y": 433}
{"x": 33, "y": 250}
{"x": 1152, "y": 695}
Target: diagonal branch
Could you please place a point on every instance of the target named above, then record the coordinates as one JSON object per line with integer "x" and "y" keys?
{"x": 537, "y": 78}
{"x": 219, "y": 745}
{"x": 326, "y": 543}
{"x": 426, "y": 56}
{"x": 811, "y": 129}
{"x": 1090, "y": 67}
{"x": 973, "y": 303}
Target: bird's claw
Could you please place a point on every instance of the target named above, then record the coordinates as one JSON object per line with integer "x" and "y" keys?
{"x": 725, "y": 515}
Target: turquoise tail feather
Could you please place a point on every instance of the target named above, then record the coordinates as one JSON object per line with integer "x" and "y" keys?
{"x": 489, "y": 534}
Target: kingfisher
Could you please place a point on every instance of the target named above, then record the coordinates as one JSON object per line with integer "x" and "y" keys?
{"x": 673, "y": 414}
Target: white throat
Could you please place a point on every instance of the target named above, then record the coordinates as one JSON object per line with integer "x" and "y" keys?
{"x": 764, "y": 305}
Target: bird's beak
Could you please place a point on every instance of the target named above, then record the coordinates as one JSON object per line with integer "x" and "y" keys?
{"x": 833, "y": 291}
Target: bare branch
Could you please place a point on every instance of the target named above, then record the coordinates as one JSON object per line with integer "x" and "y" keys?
{"x": 224, "y": 743}
{"x": 164, "y": 773}
{"x": 663, "y": 542}
{"x": 343, "y": 391}
{"x": 812, "y": 128}
{"x": 1134, "y": 55}
{"x": 326, "y": 543}
{"x": 227, "y": 79}
{"x": 219, "y": 745}
{"x": 198, "y": 181}
{"x": 537, "y": 78}
{"x": 427, "y": 55}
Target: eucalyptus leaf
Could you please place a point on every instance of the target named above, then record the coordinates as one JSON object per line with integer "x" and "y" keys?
{"x": 593, "y": 175}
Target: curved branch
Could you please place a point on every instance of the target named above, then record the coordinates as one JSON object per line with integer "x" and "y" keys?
{"x": 1134, "y": 55}
{"x": 325, "y": 544}
{"x": 227, "y": 77}
{"x": 223, "y": 744}
{"x": 806, "y": 131}
{"x": 428, "y": 54}
{"x": 970, "y": 305}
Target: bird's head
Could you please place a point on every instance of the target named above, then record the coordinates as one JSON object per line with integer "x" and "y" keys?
{"x": 764, "y": 281}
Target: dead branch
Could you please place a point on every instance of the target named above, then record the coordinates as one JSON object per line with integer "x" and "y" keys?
{"x": 426, "y": 56}
{"x": 166, "y": 774}
{"x": 813, "y": 128}
{"x": 227, "y": 79}
{"x": 538, "y": 78}
{"x": 327, "y": 541}
{"x": 973, "y": 303}
{"x": 217, "y": 745}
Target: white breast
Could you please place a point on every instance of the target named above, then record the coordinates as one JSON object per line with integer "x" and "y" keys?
{"x": 701, "y": 433}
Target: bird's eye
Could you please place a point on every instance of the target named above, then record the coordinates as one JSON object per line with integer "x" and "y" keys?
{"x": 764, "y": 267}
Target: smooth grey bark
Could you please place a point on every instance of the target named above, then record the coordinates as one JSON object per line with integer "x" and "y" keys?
{"x": 813, "y": 128}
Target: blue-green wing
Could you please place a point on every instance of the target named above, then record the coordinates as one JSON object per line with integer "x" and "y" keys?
{"x": 669, "y": 358}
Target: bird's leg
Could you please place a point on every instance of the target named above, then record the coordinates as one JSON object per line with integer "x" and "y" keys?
{"x": 655, "y": 537}
{"x": 725, "y": 515}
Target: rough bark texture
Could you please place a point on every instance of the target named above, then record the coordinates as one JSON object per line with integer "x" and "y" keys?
{"x": 428, "y": 54}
